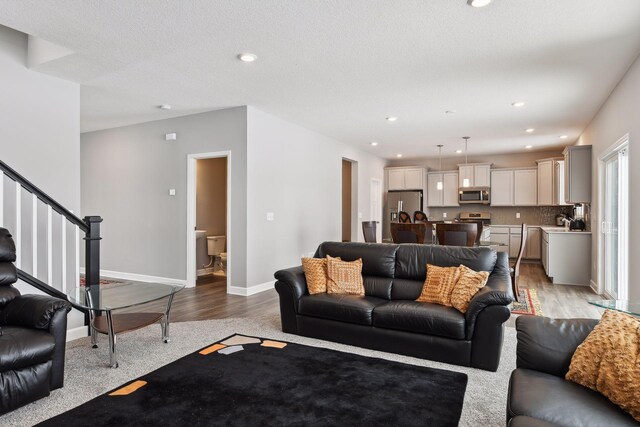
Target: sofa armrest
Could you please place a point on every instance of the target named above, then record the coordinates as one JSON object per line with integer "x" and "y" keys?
{"x": 291, "y": 285}
{"x": 32, "y": 311}
{"x": 547, "y": 345}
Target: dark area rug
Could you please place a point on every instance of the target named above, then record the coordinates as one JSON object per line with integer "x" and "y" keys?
{"x": 262, "y": 384}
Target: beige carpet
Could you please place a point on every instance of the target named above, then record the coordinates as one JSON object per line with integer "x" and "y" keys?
{"x": 142, "y": 351}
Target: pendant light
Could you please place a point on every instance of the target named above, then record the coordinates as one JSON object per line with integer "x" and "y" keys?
{"x": 465, "y": 181}
{"x": 439, "y": 185}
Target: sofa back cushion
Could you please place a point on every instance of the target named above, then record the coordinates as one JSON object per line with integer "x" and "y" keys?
{"x": 412, "y": 260}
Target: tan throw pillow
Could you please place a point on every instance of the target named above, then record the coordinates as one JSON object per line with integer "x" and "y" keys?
{"x": 439, "y": 284}
{"x": 469, "y": 283}
{"x": 315, "y": 271}
{"x": 608, "y": 361}
{"x": 344, "y": 277}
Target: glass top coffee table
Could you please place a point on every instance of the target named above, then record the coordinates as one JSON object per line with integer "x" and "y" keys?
{"x": 629, "y": 307}
{"x": 119, "y": 295}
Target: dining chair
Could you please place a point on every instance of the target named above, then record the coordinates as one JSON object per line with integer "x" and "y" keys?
{"x": 409, "y": 233}
{"x": 404, "y": 217}
{"x": 480, "y": 227}
{"x": 515, "y": 270}
{"x": 457, "y": 234}
{"x": 419, "y": 216}
{"x": 369, "y": 231}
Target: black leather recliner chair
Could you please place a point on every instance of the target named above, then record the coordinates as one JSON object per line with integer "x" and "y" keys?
{"x": 539, "y": 396}
{"x": 388, "y": 318}
{"x": 34, "y": 333}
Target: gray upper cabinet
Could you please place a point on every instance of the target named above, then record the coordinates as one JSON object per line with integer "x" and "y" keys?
{"x": 577, "y": 173}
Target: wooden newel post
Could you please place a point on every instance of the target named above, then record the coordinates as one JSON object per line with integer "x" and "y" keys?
{"x": 92, "y": 252}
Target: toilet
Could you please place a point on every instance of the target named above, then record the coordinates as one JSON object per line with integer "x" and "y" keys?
{"x": 216, "y": 247}
{"x": 202, "y": 258}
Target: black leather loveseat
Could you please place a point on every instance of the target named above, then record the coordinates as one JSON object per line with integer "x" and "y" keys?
{"x": 388, "y": 318}
{"x": 539, "y": 396}
{"x": 32, "y": 344}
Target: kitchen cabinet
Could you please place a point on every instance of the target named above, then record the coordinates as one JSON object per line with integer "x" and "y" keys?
{"x": 405, "y": 179}
{"x": 525, "y": 185}
{"x": 448, "y": 196}
{"x": 511, "y": 237}
{"x": 500, "y": 235}
{"x": 577, "y": 174}
{"x": 478, "y": 174}
{"x": 514, "y": 244}
{"x": 566, "y": 256}
{"x": 502, "y": 188}
{"x": 558, "y": 185}
{"x": 545, "y": 182}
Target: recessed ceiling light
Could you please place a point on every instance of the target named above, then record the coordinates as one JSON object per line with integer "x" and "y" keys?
{"x": 164, "y": 107}
{"x": 392, "y": 118}
{"x": 450, "y": 112}
{"x": 458, "y": 151}
{"x": 478, "y": 3}
{"x": 563, "y": 137}
{"x": 517, "y": 104}
{"x": 398, "y": 155}
{"x": 374, "y": 143}
{"x": 529, "y": 130}
{"x": 247, "y": 57}
{"x": 528, "y": 147}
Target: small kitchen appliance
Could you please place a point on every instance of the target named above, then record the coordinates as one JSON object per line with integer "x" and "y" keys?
{"x": 560, "y": 219}
{"x": 578, "y": 221}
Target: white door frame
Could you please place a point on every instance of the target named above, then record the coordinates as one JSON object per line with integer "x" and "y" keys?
{"x": 622, "y": 143}
{"x": 372, "y": 215}
{"x": 191, "y": 214}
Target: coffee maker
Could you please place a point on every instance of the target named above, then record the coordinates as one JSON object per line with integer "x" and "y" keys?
{"x": 578, "y": 221}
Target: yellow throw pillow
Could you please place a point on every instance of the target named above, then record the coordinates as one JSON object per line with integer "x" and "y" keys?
{"x": 344, "y": 277}
{"x": 608, "y": 361}
{"x": 315, "y": 271}
{"x": 469, "y": 283}
{"x": 439, "y": 284}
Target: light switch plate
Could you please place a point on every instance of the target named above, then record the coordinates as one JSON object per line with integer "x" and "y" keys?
{"x": 270, "y": 216}
{"x": 170, "y": 137}
{"x": 517, "y": 214}
{"x": 444, "y": 215}
{"x": 172, "y": 191}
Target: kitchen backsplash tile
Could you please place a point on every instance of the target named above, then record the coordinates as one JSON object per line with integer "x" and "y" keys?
{"x": 534, "y": 215}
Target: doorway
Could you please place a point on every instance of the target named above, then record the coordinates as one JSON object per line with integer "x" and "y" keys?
{"x": 614, "y": 214}
{"x": 375, "y": 213}
{"x": 208, "y": 219}
{"x": 349, "y": 200}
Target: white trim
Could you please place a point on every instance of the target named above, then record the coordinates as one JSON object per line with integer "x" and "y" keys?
{"x": 191, "y": 214}
{"x": 137, "y": 277}
{"x": 252, "y": 290}
{"x": 77, "y": 333}
{"x": 594, "y": 287}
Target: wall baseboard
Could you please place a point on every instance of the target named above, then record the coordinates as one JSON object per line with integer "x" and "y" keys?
{"x": 137, "y": 277}
{"x": 594, "y": 286}
{"x": 77, "y": 333}
{"x": 252, "y": 290}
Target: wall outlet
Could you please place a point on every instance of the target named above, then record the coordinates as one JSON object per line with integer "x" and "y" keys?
{"x": 172, "y": 191}
{"x": 444, "y": 215}
{"x": 518, "y": 215}
{"x": 359, "y": 215}
{"x": 270, "y": 216}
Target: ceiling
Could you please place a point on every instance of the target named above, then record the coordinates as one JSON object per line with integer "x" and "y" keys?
{"x": 340, "y": 67}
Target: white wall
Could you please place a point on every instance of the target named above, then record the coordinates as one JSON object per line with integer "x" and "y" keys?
{"x": 40, "y": 123}
{"x": 126, "y": 176}
{"x": 296, "y": 174}
{"x": 619, "y": 115}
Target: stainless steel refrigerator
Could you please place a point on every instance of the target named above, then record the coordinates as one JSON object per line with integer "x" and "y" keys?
{"x": 408, "y": 201}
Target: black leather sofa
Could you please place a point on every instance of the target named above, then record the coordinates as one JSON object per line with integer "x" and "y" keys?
{"x": 388, "y": 318}
{"x": 32, "y": 344}
{"x": 539, "y": 396}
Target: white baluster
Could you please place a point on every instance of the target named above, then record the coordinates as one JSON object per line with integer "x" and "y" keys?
{"x": 1, "y": 199}
{"x": 34, "y": 235}
{"x": 18, "y": 232}
{"x": 77, "y": 269}
{"x": 63, "y": 231}
{"x": 49, "y": 245}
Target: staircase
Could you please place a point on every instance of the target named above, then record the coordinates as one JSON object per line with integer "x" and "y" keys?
{"x": 47, "y": 237}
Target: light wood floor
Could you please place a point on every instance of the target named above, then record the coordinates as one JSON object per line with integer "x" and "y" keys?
{"x": 210, "y": 301}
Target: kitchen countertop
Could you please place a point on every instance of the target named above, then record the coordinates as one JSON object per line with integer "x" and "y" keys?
{"x": 551, "y": 229}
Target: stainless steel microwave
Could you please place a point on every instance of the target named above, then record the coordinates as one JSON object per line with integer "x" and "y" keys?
{"x": 478, "y": 195}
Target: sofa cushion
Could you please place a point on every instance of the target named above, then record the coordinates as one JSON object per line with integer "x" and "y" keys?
{"x": 315, "y": 274}
{"x": 379, "y": 287}
{"x": 406, "y": 289}
{"x": 439, "y": 284}
{"x": 345, "y": 308}
{"x": 378, "y": 259}
{"x": 412, "y": 259}
{"x": 557, "y": 401}
{"x": 522, "y": 421}
{"x": 23, "y": 347}
{"x": 420, "y": 317}
{"x": 344, "y": 277}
